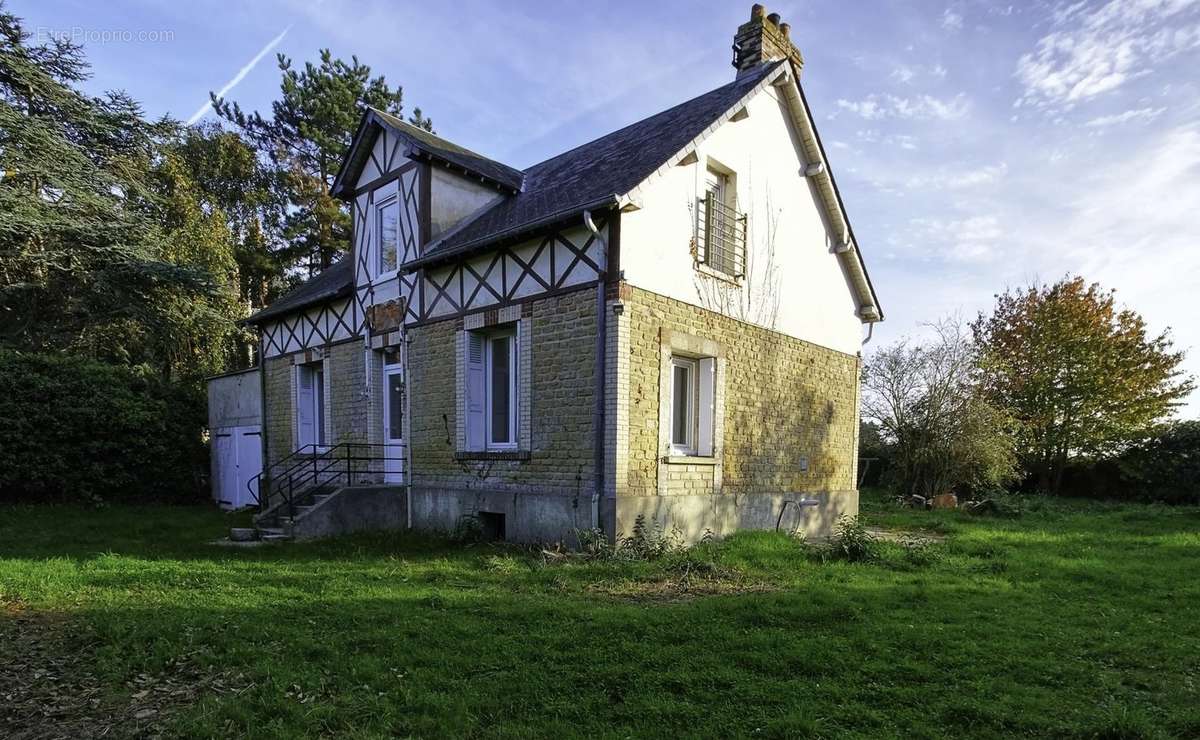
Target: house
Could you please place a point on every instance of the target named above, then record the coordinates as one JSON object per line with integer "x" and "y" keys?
{"x": 664, "y": 323}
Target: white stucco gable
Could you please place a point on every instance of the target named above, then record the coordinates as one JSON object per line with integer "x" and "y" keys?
{"x": 804, "y": 276}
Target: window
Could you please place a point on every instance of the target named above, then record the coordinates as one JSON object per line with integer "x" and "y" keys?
{"x": 310, "y": 405}
{"x": 387, "y": 229}
{"x": 395, "y": 406}
{"x": 492, "y": 389}
{"x": 683, "y": 406}
{"x": 692, "y": 390}
{"x": 720, "y": 229}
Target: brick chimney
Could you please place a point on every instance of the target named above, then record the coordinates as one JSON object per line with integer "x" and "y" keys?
{"x": 764, "y": 38}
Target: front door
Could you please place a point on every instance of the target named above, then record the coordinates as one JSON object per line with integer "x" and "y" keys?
{"x": 393, "y": 424}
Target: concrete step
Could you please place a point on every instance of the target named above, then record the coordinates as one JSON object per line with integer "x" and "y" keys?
{"x": 242, "y": 534}
{"x": 274, "y": 537}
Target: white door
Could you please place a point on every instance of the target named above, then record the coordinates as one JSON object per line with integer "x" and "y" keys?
{"x": 224, "y": 469}
{"x": 249, "y": 464}
{"x": 393, "y": 424}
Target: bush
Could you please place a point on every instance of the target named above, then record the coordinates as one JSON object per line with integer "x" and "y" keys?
{"x": 1164, "y": 468}
{"x": 79, "y": 430}
{"x": 852, "y": 541}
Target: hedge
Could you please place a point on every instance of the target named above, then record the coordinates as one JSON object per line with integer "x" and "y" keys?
{"x": 73, "y": 429}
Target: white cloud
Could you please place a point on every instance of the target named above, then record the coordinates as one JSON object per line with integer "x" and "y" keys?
{"x": 903, "y": 74}
{"x": 918, "y": 107}
{"x": 972, "y": 178}
{"x": 1095, "y": 50}
{"x": 874, "y": 136}
{"x": 1141, "y": 115}
{"x": 952, "y": 20}
{"x": 241, "y": 74}
{"x": 970, "y": 239}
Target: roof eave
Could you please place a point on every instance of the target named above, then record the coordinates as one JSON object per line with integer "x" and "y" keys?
{"x": 271, "y": 313}
{"x": 870, "y": 310}
{"x": 418, "y": 152}
{"x": 500, "y": 237}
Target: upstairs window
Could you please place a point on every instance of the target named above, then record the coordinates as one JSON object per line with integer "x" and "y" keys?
{"x": 491, "y": 367}
{"x": 720, "y": 228}
{"x": 387, "y": 230}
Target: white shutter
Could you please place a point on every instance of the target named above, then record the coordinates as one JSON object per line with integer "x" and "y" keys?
{"x": 706, "y": 411}
{"x": 306, "y": 423}
{"x": 476, "y": 401}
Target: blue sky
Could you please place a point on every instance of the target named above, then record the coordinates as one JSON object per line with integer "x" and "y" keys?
{"x": 978, "y": 144}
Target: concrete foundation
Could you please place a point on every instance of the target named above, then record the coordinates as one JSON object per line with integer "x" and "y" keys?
{"x": 812, "y": 515}
{"x": 354, "y": 509}
{"x": 528, "y": 517}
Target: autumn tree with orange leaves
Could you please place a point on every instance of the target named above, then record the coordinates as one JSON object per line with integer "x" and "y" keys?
{"x": 1081, "y": 375}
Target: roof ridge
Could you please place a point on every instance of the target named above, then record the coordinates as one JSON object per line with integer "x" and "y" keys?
{"x": 764, "y": 69}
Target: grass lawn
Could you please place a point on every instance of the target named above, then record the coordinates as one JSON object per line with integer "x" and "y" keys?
{"x": 1073, "y": 619}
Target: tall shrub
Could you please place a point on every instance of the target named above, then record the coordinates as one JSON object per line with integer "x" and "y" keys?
{"x": 78, "y": 430}
{"x": 1165, "y": 467}
{"x": 942, "y": 433}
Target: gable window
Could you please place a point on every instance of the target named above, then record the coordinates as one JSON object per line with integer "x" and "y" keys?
{"x": 692, "y": 390}
{"x": 720, "y": 228}
{"x": 387, "y": 230}
{"x": 491, "y": 389}
{"x": 310, "y": 405}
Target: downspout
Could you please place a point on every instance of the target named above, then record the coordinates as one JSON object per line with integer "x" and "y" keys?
{"x": 598, "y": 414}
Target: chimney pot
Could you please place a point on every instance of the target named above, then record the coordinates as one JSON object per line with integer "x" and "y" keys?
{"x": 761, "y": 40}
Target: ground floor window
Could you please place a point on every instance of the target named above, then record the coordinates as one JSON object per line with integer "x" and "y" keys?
{"x": 310, "y": 405}
{"x": 692, "y": 392}
{"x": 491, "y": 389}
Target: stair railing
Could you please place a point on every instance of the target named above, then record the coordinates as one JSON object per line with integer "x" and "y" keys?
{"x": 309, "y": 468}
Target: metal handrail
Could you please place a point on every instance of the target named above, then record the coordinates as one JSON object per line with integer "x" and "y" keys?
{"x": 721, "y": 236}
{"x": 308, "y": 449}
{"x": 326, "y": 466}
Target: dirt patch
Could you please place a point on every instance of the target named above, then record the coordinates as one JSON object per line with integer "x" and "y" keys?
{"x": 49, "y": 687}
{"x": 682, "y": 586}
{"x": 903, "y": 536}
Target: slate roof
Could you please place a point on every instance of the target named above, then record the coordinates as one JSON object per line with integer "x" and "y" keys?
{"x": 335, "y": 281}
{"x": 595, "y": 173}
{"x": 587, "y": 177}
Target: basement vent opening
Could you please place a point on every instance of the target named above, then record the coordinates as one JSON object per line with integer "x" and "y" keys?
{"x": 492, "y": 524}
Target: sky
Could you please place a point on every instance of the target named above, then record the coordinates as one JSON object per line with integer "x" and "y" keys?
{"x": 978, "y": 145}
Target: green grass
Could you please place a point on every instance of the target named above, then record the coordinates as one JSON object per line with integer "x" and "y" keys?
{"x": 1073, "y": 619}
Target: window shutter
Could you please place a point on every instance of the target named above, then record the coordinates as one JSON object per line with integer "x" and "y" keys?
{"x": 476, "y": 401}
{"x": 706, "y": 411}
{"x": 305, "y": 420}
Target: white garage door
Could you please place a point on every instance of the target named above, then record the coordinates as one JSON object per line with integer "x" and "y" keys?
{"x": 237, "y": 457}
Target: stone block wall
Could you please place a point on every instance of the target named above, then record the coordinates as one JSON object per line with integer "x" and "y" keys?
{"x": 346, "y": 403}
{"x": 278, "y": 418}
{"x": 553, "y": 479}
{"x": 790, "y": 425}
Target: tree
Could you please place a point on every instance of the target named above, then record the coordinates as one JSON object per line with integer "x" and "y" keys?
{"x": 1080, "y": 375}
{"x": 943, "y": 434}
{"x": 81, "y": 259}
{"x": 228, "y": 177}
{"x": 308, "y": 132}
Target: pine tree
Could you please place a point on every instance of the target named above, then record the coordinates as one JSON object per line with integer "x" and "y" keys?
{"x": 304, "y": 139}
{"x": 81, "y": 260}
